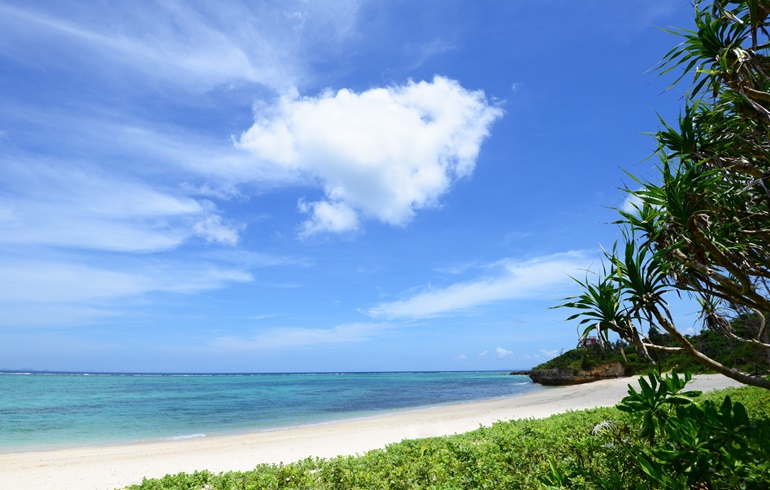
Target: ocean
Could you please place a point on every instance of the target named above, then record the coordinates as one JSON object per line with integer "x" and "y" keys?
{"x": 40, "y": 411}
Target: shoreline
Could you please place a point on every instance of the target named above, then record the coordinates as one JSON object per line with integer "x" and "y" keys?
{"x": 56, "y": 410}
{"x": 244, "y": 431}
{"x": 116, "y": 466}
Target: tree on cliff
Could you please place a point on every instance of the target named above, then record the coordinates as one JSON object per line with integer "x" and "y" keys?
{"x": 702, "y": 228}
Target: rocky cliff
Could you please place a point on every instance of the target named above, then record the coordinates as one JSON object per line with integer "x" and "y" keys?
{"x": 561, "y": 377}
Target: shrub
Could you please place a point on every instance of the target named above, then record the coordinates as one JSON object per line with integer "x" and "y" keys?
{"x": 599, "y": 448}
{"x": 679, "y": 442}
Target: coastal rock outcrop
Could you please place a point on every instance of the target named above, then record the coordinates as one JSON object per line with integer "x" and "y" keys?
{"x": 562, "y": 377}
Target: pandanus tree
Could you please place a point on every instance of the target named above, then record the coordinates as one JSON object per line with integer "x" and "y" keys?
{"x": 701, "y": 227}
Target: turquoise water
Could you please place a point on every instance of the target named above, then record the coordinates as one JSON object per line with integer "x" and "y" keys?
{"x": 44, "y": 411}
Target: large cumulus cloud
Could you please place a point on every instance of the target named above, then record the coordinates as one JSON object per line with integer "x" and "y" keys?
{"x": 383, "y": 153}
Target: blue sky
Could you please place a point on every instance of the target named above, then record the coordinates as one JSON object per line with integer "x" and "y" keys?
{"x": 314, "y": 186}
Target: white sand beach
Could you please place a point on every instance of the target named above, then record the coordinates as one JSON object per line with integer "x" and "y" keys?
{"x": 117, "y": 466}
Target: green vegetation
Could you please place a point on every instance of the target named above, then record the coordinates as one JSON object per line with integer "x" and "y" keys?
{"x": 676, "y": 441}
{"x": 700, "y": 229}
{"x": 748, "y": 358}
{"x": 599, "y": 448}
{"x": 587, "y": 358}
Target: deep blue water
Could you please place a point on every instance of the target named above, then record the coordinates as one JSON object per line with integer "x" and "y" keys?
{"x": 41, "y": 411}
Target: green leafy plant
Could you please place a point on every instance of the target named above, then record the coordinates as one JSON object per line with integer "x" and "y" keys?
{"x": 673, "y": 438}
{"x": 656, "y": 400}
{"x": 698, "y": 445}
{"x": 700, "y": 228}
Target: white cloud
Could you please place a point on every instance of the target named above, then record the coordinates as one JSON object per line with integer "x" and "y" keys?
{"x": 631, "y": 203}
{"x": 277, "y": 338}
{"x": 326, "y": 216}
{"x": 26, "y": 315}
{"x": 461, "y": 358}
{"x": 196, "y": 45}
{"x": 483, "y": 353}
{"x": 212, "y": 229}
{"x": 456, "y": 269}
{"x": 503, "y": 353}
{"x": 249, "y": 259}
{"x": 515, "y": 280}
{"x": 264, "y": 316}
{"x": 424, "y": 51}
{"x": 81, "y": 207}
{"x": 384, "y": 153}
{"x": 49, "y": 289}
{"x": 549, "y": 353}
{"x": 54, "y": 281}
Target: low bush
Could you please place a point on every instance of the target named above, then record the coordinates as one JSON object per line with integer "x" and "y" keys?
{"x": 596, "y": 448}
{"x": 746, "y": 357}
{"x": 677, "y": 441}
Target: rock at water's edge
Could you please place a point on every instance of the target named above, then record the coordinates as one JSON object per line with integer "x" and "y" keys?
{"x": 561, "y": 377}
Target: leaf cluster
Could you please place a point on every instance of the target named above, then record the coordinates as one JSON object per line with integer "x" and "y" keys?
{"x": 725, "y": 350}
{"x": 680, "y": 443}
{"x": 655, "y": 400}
{"x": 702, "y": 228}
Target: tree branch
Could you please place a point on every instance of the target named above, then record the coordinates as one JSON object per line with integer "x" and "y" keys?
{"x": 705, "y": 360}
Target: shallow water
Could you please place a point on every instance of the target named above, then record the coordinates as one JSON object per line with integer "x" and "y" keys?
{"x": 44, "y": 411}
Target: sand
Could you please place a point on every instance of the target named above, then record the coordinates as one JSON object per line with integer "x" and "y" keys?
{"x": 117, "y": 466}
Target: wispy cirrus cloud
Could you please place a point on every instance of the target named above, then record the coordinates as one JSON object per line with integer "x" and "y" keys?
{"x": 422, "y": 52}
{"x": 129, "y": 154}
{"x": 456, "y": 269}
{"x": 278, "y": 338}
{"x": 51, "y": 289}
{"x": 49, "y": 281}
{"x": 115, "y": 157}
{"x": 511, "y": 280}
{"x": 196, "y": 45}
{"x": 383, "y": 153}
{"x": 549, "y": 353}
{"x": 82, "y": 207}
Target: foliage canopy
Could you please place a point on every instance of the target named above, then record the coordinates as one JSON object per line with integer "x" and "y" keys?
{"x": 702, "y": 228}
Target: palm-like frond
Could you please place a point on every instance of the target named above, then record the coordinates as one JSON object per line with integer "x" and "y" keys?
{"x": 599, "y": 307}
{"x": 702, "y": 227}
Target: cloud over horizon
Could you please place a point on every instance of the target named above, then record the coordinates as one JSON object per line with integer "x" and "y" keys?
{"x": 503, "y": 353}
{"x": 277, "y": 338}
{"x": 85, "y": 291}
{"x": 513, "y": 280}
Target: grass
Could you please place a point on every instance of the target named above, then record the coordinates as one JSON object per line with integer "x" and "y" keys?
{"x": 507, "y": 455}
